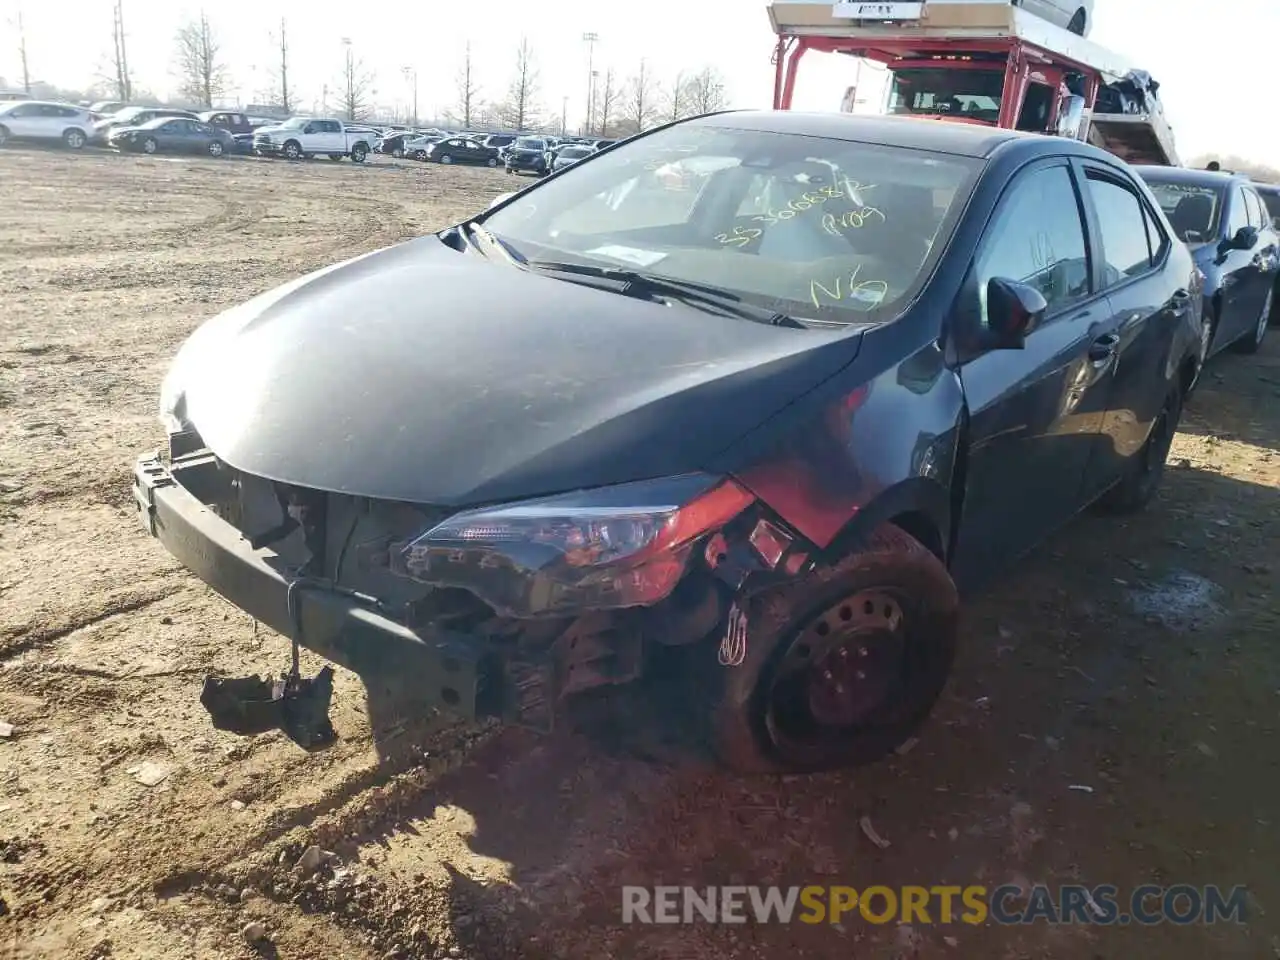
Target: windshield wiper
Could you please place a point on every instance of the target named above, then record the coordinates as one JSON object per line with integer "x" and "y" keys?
{"x": 632, "y": 283}
{"x": 475, "y": 231}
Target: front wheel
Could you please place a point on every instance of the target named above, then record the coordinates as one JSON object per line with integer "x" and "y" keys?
{"x": 1252, "y": 341}
{"x": 840, "y": 669}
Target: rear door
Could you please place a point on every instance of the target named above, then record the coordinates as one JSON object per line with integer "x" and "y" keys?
{"x": 1147, "y": 302}
{"x": 1035, "y": 415}
{"x": 1241, "y": 290}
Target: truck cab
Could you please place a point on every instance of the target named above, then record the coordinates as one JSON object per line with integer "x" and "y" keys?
{"x": 985, "y": 62}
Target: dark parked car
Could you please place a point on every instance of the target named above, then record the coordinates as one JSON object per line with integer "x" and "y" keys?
{"x": 392, "y": 144}
{"x": 233, "y": 123}
{"x": 134, "y": 117}
{"x": 460, "y": 150}
{"x": 1270, "y": 194}
{"x": 1229, "y": 229}
{"x": 760, "y": 430}
{"x": 174, "y": 135}
{"x": 527, "y": 155}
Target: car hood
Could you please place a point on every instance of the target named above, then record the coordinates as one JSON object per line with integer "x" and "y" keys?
{"x": 503, "y": 384}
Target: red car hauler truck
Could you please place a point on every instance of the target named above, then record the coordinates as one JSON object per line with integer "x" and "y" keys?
{"x": 982, "y": 61}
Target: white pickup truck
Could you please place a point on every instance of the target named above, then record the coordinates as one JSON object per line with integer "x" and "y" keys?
{"x": 300, "y": 137}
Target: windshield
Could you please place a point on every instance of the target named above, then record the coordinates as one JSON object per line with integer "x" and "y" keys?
{"x": 1192, "y": 208}
{"x": 970, "y": 94}
{"x": 524, "y": 143}
{"x": 818, "y": 229}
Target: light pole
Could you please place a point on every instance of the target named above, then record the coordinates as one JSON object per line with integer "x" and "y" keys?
{"x": 411, "y": 75}
{"x": 590, "y": 39}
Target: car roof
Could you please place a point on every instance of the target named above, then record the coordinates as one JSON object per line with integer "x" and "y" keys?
{"x": 921, "y": 133}
{"x": 1203, "y": 178}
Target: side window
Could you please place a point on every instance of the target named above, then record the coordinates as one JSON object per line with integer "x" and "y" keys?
{"x": 1256, "y": 216}
{"x": 1239, "y": 214}
{"x": 1038, "y": 238}
{"x": 1122, "y": 223}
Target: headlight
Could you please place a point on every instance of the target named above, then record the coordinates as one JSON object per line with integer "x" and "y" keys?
{"x": 620, "y": 546}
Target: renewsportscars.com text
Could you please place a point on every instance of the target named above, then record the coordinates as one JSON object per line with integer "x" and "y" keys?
{"x": 1100, "y": 905}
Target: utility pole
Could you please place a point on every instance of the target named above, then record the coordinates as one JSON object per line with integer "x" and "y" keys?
{"x": 411, "y": 74}
{"x": 22, "y": 53}
{"x": 124, "y": 87}
{"x": 590, "y": 39}
{"x": 284, "y": 68}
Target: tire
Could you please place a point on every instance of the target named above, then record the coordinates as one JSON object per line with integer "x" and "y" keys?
{"x": 216, "y": 149}
{"x": 420, "y": 155}
{"x": 1140, "y": 483}
{"x": 4, "y": 135}
{"x": 891, "y": 607}
{"x": 1077, "y": 23}
{"x": 359, "y": 153}
{"x": 1252, "y": 341}
{"x": 149, "y": 145}
{"x": 492, "y": 161}
{"x": 446, "y": 159}
{"x": 74, "y": 139}
{"x": 292, "y": 150}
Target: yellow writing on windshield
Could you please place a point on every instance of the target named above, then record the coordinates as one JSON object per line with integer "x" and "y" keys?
{"x": 869, "y": 293}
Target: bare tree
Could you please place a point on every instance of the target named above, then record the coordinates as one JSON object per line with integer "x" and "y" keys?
{"x": 468, "y": 90}
{"x": 281, "y": 93}
{"x": 202, "y": 72}
{"x": 640, "y": 100}
{"x": 520, "y": 110}
{"x": 355, "y": 86}
{"x": 119, "y": 58}
{"x": 705, "y": 92}
{"x": 677, "y": 98}
{"x": 607, "y": 95}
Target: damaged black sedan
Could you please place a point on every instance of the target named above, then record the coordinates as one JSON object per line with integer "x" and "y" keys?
{"x": 762, "y": 389}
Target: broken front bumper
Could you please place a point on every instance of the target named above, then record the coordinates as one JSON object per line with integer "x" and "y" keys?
{"x": 453, "y": 672}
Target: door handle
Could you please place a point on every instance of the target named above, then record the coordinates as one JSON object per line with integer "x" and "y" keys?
{"x": 1104, "y": 348}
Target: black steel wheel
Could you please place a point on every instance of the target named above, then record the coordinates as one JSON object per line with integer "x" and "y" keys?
{"x": 840, "y": 669}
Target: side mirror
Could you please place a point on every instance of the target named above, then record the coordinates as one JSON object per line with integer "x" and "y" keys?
{"x": 1246, "y": 238}
{"x": 500, "y": 198}
{"x": 1013, "y": 311}
{"x": 1071, "y": 117}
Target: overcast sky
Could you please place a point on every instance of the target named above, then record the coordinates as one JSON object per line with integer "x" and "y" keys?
{"x": 1216, "y": 62}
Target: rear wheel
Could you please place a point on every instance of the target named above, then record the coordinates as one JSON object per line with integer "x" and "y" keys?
{"x": 839, "y": 670}
{"x": 1143, "y": 477}
{"x": 1252, "y": 340}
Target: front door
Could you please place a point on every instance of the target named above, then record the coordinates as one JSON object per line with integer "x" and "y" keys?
{"x": 1035, "y": 414}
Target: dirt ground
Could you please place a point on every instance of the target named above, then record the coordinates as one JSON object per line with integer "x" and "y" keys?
{"x": 1136, "y": 659}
